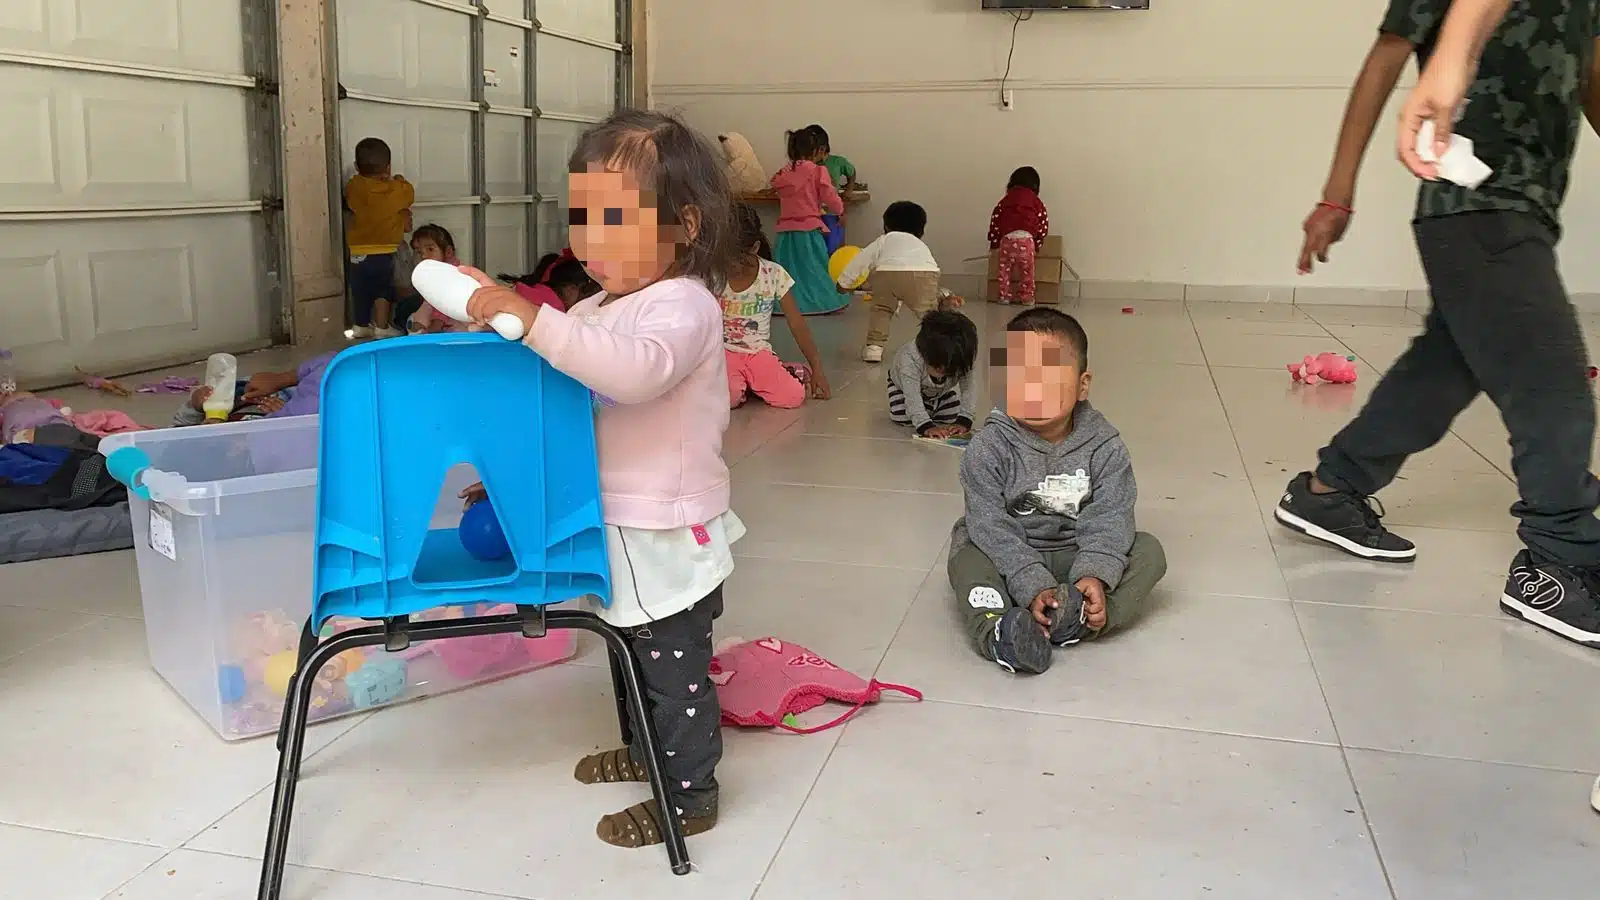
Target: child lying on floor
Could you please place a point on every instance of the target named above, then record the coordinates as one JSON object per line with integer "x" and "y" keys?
{"x": 28, "y": 419}
{"x": 1047, "y": 555}
{"x": 295, "y": 392}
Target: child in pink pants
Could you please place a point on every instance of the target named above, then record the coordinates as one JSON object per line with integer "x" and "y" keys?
{"x": 755, "y": 287}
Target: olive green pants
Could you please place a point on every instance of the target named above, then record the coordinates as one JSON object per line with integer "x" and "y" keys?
{"x": 970, "y": 571}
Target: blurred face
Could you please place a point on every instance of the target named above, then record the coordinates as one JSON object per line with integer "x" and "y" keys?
{"x": 1043, "y": 378}
{"x": 617, "y": 233}
{"x": 425, "y": 248}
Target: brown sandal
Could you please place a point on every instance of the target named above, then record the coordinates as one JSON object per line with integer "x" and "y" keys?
{"x": 640, "y": 826}
{"x": 610, "y": 767}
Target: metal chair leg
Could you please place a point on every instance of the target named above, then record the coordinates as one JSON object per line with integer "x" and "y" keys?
{"x": 621, "y": 689}
{"x": 292, "y": 741}
{"x": 308, "y": 645}
{"x": 625, "y": 672}
{"x": 633, "y": 679}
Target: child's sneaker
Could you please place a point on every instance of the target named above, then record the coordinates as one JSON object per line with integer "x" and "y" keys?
{"x": 360, "y": 332}
{"x": 801, "y": 373}
{"x": 1068, "y": 622}
{"x": 872, "y": 353}
{"x": 387, "y": 332}
{"x": 1020, "y": 645}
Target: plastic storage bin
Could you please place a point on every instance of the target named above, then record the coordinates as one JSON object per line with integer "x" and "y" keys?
{"x": 223, "y": 520}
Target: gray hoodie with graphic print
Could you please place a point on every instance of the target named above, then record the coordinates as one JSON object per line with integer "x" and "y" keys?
{"x": 1025, "y": 494}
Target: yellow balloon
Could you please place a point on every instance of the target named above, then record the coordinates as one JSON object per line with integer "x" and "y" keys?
{"x": 280, "y": 669}
{"x": 841, "y": 259}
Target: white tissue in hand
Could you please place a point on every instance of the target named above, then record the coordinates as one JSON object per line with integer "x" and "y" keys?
{"x": 1458, "y": 164}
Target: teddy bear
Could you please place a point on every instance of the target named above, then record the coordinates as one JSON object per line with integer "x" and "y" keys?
{"x": 1329, "y": 367}
{"x": 744, "y": 168}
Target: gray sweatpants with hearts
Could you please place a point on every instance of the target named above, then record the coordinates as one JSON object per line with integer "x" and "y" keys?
{"x": 675, "y": 655}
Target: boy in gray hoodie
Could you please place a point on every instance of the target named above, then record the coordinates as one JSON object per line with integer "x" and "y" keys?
{"x": 1047, "y": 554}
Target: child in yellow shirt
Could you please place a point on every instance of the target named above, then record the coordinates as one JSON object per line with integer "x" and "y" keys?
{"x": 379, "y": 203}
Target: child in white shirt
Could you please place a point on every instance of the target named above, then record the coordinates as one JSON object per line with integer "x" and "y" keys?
{"x": 900, "y": 270}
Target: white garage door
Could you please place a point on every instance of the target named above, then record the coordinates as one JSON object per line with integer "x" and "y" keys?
{"x": 582, "y": 77}
{"x": 450, "y": 88}
{"x": 138, "y": 175}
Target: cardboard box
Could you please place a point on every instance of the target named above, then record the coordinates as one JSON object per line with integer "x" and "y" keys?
{"x": 1049, "y": 271}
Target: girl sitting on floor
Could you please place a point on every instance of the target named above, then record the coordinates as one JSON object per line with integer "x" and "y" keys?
{"x": 755, "y": 287}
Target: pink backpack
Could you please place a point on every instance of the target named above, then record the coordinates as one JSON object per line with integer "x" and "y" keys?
{"x": 763, "y": 683}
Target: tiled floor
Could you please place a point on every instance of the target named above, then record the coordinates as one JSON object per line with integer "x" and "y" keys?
{"x": 1286, "y": 724}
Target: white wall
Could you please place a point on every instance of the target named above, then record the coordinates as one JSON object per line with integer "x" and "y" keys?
{"x": 1182, "y": 145}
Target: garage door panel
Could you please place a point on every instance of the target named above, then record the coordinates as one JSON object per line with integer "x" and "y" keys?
{"x": 176, "y": 33}
{"x": 503, "y": 81}
{"x": 594, "y": 19}
{"x": 557, "y": 140}
{"x": 79, "y": 138}
{"x": 161, "y": 288}
{"x": 507, "y": 236}
{"x": 399, "y": 48}
{"x": 505, "y": 146}
{"x": 148, "y": 287}
{"x": 576, "y": 78}
{"x": 40, "y": 319}
{"x": 432, "y": 148}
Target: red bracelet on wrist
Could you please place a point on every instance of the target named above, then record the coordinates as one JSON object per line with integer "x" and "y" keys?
{"x": 1344, "y": 209}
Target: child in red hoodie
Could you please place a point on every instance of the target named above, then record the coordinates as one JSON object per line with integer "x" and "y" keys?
{"x": 1018, "y": 229}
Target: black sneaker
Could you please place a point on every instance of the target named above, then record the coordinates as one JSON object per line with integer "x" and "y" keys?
{"x": 1350, "y": 523}
{"x": 1559, "y": 599}
{"x": 1067, "y": 622}
{"x": 1020, "y": 645}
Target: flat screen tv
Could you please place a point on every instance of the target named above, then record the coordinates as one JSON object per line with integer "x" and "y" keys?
{"x": 1042, "y": 5}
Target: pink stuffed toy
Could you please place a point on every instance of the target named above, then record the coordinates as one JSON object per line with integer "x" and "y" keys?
{"x": 1329, "y": 367}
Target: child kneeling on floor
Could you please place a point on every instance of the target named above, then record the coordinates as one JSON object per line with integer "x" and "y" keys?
{"x": 653, "y": 223}
{"x": 930, "y": 382}
{"x": 755, "y": 287}
{"x": 1047, "y": 555}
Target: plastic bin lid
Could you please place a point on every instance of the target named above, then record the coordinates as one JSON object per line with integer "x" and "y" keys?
{"x": 183, "y": 466}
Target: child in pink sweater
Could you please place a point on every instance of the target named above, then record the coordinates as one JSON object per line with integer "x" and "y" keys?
{"x": 652, "y": 221}
{"x": 805, "y": 191}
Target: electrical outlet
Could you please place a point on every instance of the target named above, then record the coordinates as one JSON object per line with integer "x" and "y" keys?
{"x": 1008, "y": 100}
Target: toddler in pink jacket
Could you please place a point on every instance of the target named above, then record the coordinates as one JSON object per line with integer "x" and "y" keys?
{"x": 652, "y": 221}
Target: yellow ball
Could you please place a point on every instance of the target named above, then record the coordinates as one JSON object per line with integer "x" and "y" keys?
{"x": 841, "y": 259}
{"x": 279, "y": 671}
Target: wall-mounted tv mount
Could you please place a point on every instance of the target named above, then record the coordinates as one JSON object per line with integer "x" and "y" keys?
{"x": 1020, "y": 6}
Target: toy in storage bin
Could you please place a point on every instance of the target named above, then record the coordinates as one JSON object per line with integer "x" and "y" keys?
{"x": 223, "y": 519}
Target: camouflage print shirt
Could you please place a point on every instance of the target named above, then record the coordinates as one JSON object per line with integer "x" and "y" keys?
{"x": 1523, "y": 112}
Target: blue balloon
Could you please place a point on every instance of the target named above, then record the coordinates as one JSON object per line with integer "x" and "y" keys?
{"x": 481, "y": 534}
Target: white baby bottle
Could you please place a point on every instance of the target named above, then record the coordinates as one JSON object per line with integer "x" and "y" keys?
{"x": 222, "y": 372}
{"x": 447, "y": 289}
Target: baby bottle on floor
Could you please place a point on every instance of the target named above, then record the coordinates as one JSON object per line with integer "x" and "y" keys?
{"x": 222, "y": 372}
{"x": 8, "y": 372}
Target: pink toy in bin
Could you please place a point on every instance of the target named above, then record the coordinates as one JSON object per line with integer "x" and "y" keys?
{"x": 476, "y": 657}
{"x": 1329, "y": 367}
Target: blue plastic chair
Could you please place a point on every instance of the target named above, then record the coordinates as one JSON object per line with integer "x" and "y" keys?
{"x": 396, "y": 416}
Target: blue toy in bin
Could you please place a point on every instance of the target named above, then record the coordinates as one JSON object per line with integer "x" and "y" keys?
{"x": 382, "y": 465}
